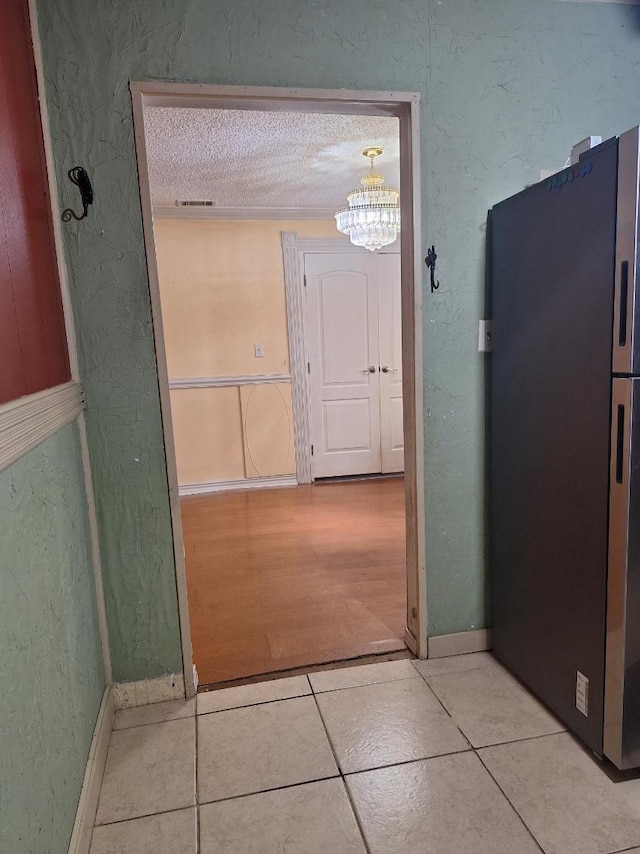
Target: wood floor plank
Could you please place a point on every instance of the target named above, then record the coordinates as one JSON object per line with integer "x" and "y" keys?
{"x": 292, "y": 577}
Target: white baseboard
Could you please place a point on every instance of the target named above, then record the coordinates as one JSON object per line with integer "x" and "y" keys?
{"x": 226, "y": 485}
{"x": 92, "y": 782}
{"x": 146, "y": 691}
{"x": 460, "y": 643}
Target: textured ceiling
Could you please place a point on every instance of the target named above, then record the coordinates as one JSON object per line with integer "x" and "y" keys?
{"x": 241, "y": 158}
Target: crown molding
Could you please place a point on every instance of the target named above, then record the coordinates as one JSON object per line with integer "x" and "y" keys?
{"x": 288, "y": 214}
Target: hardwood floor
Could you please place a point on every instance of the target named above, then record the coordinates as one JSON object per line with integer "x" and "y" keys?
{"x": 285, "y": 578}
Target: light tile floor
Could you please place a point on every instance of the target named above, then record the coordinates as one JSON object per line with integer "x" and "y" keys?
{"x": 445, "y": 756}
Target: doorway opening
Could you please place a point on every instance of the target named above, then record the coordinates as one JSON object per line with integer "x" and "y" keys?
{"x": 273, "y": 526}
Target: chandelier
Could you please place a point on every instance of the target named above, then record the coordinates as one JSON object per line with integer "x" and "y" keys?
{"x": 372, "y": 219}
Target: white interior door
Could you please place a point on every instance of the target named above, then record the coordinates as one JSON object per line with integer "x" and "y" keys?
{"x": 342, "y": 352}
{"x": 390, "y": 349}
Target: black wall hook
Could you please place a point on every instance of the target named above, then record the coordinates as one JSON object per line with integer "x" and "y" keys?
{"x": 79, "y": 177}
{"x": 430, "y": 261}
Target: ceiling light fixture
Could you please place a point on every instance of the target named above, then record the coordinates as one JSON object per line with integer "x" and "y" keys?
{"x": 372, "y": 219}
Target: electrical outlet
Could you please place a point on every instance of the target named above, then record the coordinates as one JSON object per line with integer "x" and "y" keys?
{"x": 258, "y": 349}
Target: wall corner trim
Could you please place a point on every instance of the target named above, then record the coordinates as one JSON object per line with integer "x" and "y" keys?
{"x": 30, "y": 420}
{"x": 460, "y": 643}
{"x": 126, "y": 695}
{"x": 92, "y": 782}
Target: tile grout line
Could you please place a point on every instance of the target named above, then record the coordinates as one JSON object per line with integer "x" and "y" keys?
{"x": 311, "y": 693}
{"x": 508, "y": 800}
{"x": 493, "y": 744}
{"x": 403, "y": 762}
{"x": 218, "y": 801}
{"x": 342, "y": 775}
{"x": 339, "y": 775}
{"x": 166, "y": 811}
{"x": 197, "y": 714}
{"x": 249, "y": 705}
{"x": 521, "y": 740}
{"x": 189, "y": 807}
{"x": 475, "y": 752}
{"x": 450, "y": 672}
{"x": 402, "y": 654}
{"x": 354, "y": 811}
{"x": 356, "y": 815}
{"x": 448, "y": 713}
{"x": 155, "y": 723}
{"x": 365, "y": 685}
{"x": 271, "y": 789}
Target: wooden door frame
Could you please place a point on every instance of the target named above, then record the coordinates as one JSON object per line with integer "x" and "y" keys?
{"x": 294, "y": 249}
{"x": 405, "y": 106}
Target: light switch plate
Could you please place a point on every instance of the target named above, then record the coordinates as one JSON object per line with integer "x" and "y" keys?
{"x": 484, "y": 336}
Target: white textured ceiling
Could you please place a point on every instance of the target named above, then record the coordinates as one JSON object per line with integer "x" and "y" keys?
{"x": 241, "y": 158}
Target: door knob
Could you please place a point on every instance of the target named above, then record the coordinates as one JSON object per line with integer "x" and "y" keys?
{"x": 370, "y": 370}
{"x": 385, "y": 369}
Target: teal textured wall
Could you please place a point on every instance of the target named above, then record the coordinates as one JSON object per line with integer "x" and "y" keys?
{"x": 50, "y": 660}
{"x": 507, "y": 87}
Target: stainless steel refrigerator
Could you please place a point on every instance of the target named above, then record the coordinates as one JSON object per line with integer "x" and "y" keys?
{"x": 564, "y": 444}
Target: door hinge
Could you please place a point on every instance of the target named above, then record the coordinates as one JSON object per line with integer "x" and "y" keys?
{"x": 304, "y": 279}
{"x": 312, "y": 450}
{"x": 308, "y": 367}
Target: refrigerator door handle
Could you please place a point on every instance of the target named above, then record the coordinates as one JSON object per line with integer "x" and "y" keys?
{"x": 619, "y": 506}
{"x": 620, "y": 444}
{"x": 626, "y": 344}
{"x": 624, "y": 303}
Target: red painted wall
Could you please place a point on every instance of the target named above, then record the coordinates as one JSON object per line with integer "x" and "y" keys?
{"x": 33, "y": 347}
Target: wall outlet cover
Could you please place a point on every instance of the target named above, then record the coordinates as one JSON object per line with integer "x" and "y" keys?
{"x": 582, "y": 693}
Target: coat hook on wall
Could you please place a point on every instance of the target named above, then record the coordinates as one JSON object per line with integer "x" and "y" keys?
{"x": 430, "y": 261}
{"x": 79, "y": 177}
